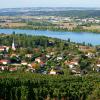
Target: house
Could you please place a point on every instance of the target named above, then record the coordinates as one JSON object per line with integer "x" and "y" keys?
{"x": 38, "y": 60}
{"x": 28, "y": 55}
{"x": 42, "y": 64}
{"x": 48, "y": 56}
{"x": 24, "y": 63}
{"x": 98, "y": 65}
{"x": 3, "y": 68}
{"x": 52, "y": 72}
{"x": 5, "y": 55}
{"x": 90, "y": 55}
{"x": 52, "y": 53}
{"x": 13, "y": 69}
{"x": 30, "y": 69}
{"x": 2, "y": 48}
{"x": 98, "y": 69}
{"x": 76, "y": 72}
{"x": 97, "y": 21}
{"x": 71, "y": 64}
{"x": 4, "y": 61}
{"x": 29, "y": 65}
{"x": 86, "y": 48}
{"x": 74, "y": 63}
{"x": 59, "y": 58}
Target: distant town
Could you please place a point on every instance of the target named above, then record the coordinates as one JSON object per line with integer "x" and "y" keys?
{"x": 57, "y": 23}
{"x": 63, "y": 19}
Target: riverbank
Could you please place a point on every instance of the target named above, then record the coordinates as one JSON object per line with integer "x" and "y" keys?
{"x": 79, "y": 30}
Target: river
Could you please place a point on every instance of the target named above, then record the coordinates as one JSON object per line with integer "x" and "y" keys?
{"x": 78, "y": 37}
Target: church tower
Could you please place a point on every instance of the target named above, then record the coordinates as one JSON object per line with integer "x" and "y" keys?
{"x": 13, "y": 45}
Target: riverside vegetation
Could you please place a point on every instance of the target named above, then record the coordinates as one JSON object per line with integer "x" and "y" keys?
{"x": 45, "y": 25}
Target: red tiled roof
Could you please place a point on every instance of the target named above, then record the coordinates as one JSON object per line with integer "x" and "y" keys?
{"x": 42, "y": 63}
{"x": 4, "y": 60}
{"x": 13, "y": 69}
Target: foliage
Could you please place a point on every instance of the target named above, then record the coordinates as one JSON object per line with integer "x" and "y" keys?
{"x": 39, "y": 87}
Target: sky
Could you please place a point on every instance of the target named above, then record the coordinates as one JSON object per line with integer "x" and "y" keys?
{"x": 48, "y": 3}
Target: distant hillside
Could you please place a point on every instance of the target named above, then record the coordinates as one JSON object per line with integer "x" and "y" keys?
{"x": 81, "y": 12}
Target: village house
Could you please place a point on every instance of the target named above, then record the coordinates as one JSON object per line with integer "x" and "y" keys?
{"x": 28, "y": 55}
{"x": 76, "y": 72}
{"x": 71, "y": 64}
{"x": 48, "y": 56}
{"x": 52, "y": 72}
{"x": 97, "y": 68}
{"x": 30, "y": 70}
{"x": 4, "y": 61}
{"x": 42, "y": 64}
{"x": 24, "y": 63}
{"x": 29, "y": 65}
{"x": 13, "y": 69}
{"x": 86, "y": 48}
{"x": 3, "y": 68}
{"x": 52, "y": 53}
{"x": 59, "y": 58}
{"x": 2, "y": 48}
{"x": 38, "y": 59}
{"x": 90, "y": 55}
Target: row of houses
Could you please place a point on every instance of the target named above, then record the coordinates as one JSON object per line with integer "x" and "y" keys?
{"x": 88, "y": 20}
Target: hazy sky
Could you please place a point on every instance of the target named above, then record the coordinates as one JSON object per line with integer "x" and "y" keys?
{"x": 49, "y": 3}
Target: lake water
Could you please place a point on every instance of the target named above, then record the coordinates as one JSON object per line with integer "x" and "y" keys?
{"x": 81, "y": 37}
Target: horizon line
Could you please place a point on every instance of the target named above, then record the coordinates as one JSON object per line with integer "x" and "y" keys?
{"x": 48, "y": 7}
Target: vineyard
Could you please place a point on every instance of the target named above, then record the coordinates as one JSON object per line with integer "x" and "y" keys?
{"x": 22, "y": 86}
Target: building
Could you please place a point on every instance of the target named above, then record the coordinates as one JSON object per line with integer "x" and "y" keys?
{"x": 52, "y": 72}
{"x": 13, "y": 45}
{"x": 38, "y": 59}
{"x": 13, "y": 69}
{"x": 4, "y": 61}
{"x": 24, "y": 63}
{"x": 3, "y": 48}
